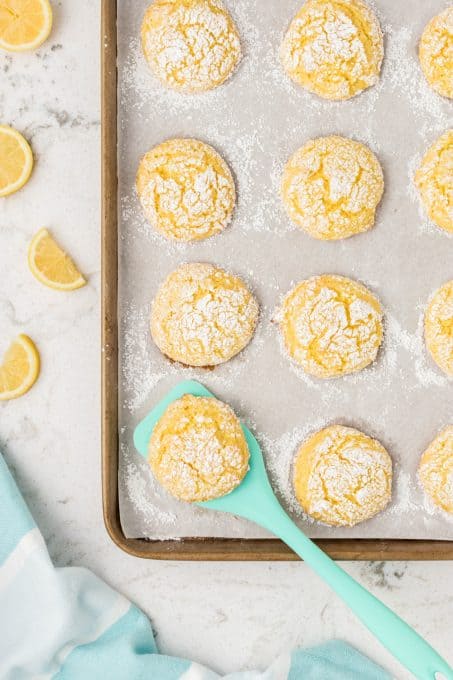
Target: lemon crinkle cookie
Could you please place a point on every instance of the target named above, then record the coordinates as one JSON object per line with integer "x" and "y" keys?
{"x": 342, "y": 476}
{"x": 436, "y": 470}
{"x": 436, "y": 53}
{"x": 331, "y": 187}
{"x": 190, "y": 45}
{"x": 202, "y": 315}
{"x": 331, "y": 325}
{"x": 434, "y": 181}
{"x": 186, "y": 189}
{"x": 333, "y": 48}
{"x": 198, "y": 450}
{"x": 439, "y": 327}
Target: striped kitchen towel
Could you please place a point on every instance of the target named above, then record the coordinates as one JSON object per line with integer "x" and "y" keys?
{"x": 67, "y": 624}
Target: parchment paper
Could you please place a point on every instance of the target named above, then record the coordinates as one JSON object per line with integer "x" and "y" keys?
{"x": 256, "y": 120}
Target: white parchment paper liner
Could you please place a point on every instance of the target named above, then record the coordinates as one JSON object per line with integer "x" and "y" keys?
{"x": 256, "y": 120}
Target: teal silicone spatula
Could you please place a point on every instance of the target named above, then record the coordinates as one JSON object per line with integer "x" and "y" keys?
{"x": 255, "y": 500}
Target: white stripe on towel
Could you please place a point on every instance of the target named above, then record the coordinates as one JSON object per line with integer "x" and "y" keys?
{"x": 197, "y": 672}
{"x": 106, "y": 620}
{"x": 32, "y": 541}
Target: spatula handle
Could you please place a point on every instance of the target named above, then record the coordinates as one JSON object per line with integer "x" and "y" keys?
{"x": 396, "y": 635}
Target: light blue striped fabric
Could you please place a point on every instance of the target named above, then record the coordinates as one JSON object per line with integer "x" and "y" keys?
{"x": 67, "y": 624}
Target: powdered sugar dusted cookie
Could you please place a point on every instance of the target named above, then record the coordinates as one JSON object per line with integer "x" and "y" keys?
{"x": 436, "y": 53}
{"x": 333, "y": 48}
{"x": 436, "y": 470}
{"x": 439, "y": 327}
{"x": 331, "y": 325}
{"x": 190, "y": 45}
{"x": 186, "y": 189}
{"x": 434, "y": 181}
{"x": 342, "y": 476}
{"x": 331, "y": 187}
{"x": 202, "y": 315}
{"x": 198, "y": 450}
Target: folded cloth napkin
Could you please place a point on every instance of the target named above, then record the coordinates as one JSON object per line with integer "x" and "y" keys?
{"x": 67, "y": 624}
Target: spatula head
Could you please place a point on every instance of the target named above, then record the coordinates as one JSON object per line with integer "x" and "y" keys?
{"x": 248, "y": 496}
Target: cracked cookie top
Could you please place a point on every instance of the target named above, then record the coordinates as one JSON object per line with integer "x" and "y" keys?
{"x": 433, "y": 180}
{"x": 198, "y": 450}
{"x": 342, "y": 476}
{"x": 191, "y": 45}
{"x": 436, "y": 470}
{"x": 186, "y": 190}
{"x": 333, "y": 48}
{"x": 331, "y": 325}
{"x": 439, "y": 327}
{"x": 436, "y": 53}
{"x": 331, "y": 187}
{"x": 202, "y": 315}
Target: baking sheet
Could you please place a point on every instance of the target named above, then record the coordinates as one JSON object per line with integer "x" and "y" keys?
{"x": 256, "y": 120}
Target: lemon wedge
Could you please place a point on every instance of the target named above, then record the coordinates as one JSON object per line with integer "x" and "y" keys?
{"x": 16, "y": 160}
{"x": 20, "y": 368}
{"x": 24, "y": 24}
{"x": 51, "y": 265}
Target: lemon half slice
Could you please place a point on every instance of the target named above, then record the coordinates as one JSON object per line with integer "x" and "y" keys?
{"x": 16, "y": 160}
{"x": 20, "y": 368}
{"x": 51, "y": 265}
{"x": 24, "y": 24}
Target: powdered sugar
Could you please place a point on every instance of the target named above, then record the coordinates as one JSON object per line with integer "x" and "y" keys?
{"x": 439, "y": 328}
{"x": 191, "y": 48}
{"x": 331, "y": 326}
{"x": 331, "y": 187}
{"x": 198, "y": 450}
{"x": 342, "y": 476}
{"x": 436, "y": 52}
{"x": 186, "y": 189}
{"x": 202, "y": 315}
{"x": 256, "y": 120}
{"x": 333, "y": 52}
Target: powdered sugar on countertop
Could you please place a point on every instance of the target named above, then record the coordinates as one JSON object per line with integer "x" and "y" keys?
{"x": 256, "y": 121}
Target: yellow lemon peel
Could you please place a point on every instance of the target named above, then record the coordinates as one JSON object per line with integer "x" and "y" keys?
{"x": 16, "y": 160}
{"x": 20, "y": 368}
{"x": 51, "y": 265}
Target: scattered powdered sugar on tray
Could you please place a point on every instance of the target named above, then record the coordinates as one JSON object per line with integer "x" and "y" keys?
{"x": 405, "y": 79}
{"x": 137, "y": 480}
{"x": 137, "y": 370}
{"x": 281, "y": 462}
{"x": 256, "y": 120}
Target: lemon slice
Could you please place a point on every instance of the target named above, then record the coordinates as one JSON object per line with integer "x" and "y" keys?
{"x": 20, "y": 368}
{"x": 51, "y": 265}
{"x": 24, "y": 24}
{"x": 16, "y": 160}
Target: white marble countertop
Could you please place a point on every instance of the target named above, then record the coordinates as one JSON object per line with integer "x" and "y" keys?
{"x": 230, "y": 616}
